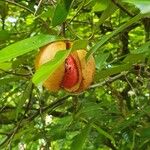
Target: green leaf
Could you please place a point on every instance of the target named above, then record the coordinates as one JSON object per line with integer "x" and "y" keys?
{"x": 5, "y": 65}
{"x": 102, "y": 132}
{"x": 101, "y": 60}
{"x": 134, "y": 58}
{"x": 48, "y": 13}
{"x": 145, "y": 48}
{"x": 61, "y": 12}
{"x": 105, "y": 38}
{"x": 114, "y": 70}
{"x": 131, "y": 119}
{"x": 145, "y": 132}
{"x": 127, "y": 65}
{"x": 107, "y": 12}
{"x": 57, "y": 132}
{"x": 4, "y": 35}
{"x": 28, "y": 132}
{"x": 143, "y": 5}
{"x": 25, "y": 46}
{"x": 48, "y": 68}
{"x": 79, "y": 140}
{"x": 10, "y": 80}
{"x": 24, "y": 97}
{"x": 100, "y": 5}
{"x": 79, "y": 44}
{"x": 89, "y": 110}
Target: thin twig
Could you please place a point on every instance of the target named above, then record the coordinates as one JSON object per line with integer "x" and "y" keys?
{"x": 73, "y": 32}
{"x": 29, "y": 10}
{"x": 21, "y": 6}
{"x": 3, "y": 133}
{"x": 16, "y": 74}
{"x": 123, "y": 8}
{"x": 108, "y": 80}
{"x": 39, "y": 4}
{"x": 52, "y": 106}
{"x": 130, "y": 85}
{"x": 11, "y": 135}
{"x": 63, "y": 29}
{"x": 77, "y": 12}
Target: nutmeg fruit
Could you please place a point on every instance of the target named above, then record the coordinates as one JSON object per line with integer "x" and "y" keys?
{"x": 75, "y": 74}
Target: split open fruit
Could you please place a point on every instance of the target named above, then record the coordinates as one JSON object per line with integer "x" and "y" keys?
{"x": 75, "y": 74}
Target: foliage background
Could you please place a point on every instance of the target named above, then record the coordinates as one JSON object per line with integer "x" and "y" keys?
{"x": 114, "y": 113}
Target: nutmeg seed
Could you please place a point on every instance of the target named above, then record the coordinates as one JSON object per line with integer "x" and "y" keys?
{"x": 71, "y": 73}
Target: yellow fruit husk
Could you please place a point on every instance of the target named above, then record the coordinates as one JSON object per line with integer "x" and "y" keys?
{"x": 86, "y": 69}
{"x": 47, "y": 53}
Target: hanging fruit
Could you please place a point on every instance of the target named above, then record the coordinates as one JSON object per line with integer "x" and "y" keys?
{"x": 75, "y": 74}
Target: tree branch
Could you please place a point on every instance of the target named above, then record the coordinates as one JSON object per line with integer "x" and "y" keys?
{"x": 109, "y": 80}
